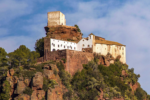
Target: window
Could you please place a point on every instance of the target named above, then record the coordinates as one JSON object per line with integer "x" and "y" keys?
{"x": 88, "y": 45}
{"x": 64, "y": 46}
{"x": 83, "y": 40}
{"x": 74, "y": 48}
{"x": 122, "y": 48}
{"x": 61, "y": 45}
{"x": 68, "y": 47}
{"x": 53, "y": 49}
{"x": 83, "y": 45}
{"x": 58, "y": 45}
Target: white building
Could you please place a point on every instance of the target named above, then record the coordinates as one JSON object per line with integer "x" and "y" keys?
{"x": 56, "y": 18}
{"x": 97, "y": 45}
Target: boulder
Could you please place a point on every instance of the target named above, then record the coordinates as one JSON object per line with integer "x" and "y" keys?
{"x": 22, "y": 97}
{"x": 48, "y": 73}
{"x": 37, "y": 81}
{"x": 40, "y": 94}
{"x": 55, "y": 94}
{"x": 27, "y": 82}
{"x": 20, "y": 87}
{"x": 34, "y": 95}
{"x": 11, "y": 71}
{"x": 8, "y": 74}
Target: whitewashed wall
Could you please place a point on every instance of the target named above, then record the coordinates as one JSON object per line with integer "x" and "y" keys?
{"x": 62, "y": 19}
{"x": 61, "y": 45}
{"x": 56, "y": 18}
{"x": 112, "y": 49}
{"x": 83, "y": 43}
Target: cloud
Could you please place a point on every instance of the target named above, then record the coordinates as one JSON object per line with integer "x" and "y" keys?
{"x": 127, "y": 24}
{"x": 13, "y": 42}
{"x": 11, "y": 9}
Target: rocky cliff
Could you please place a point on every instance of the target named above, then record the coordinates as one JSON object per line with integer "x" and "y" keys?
{"x": 103, "y": 78}
{"x": 63, "y": 32}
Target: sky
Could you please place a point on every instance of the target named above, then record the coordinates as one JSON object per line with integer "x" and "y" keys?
{"x": 22, "y": 22}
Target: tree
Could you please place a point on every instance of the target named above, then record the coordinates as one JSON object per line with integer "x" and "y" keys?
{"x": 39, "y": 46}
{"x": 19, "y": 56}
{"x": 3, "y": 59}
{"x": 33, "y": 57}
{"x": 78, "y": 29}
{"x": 93, "y": 83}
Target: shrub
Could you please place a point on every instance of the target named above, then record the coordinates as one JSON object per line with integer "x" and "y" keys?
{"x": 55, "y": 72}
{"x": 64, "y": 60}
{"x": 60, "y": 66}
{"x": 28, "y": 91}
{"x": 48, "y": 83}
{"x": 5, "y": 95}
{"x": 28, "y": 74}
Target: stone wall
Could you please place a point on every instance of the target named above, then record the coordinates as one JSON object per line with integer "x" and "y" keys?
{"x": 55, "y": 55}
{"x": 90, "y": 50}
{"x": 75, "y": 59}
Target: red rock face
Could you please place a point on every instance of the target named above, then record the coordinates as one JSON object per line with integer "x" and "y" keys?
{"x": 37, "y": 81}
{"x": 63, "y": 32}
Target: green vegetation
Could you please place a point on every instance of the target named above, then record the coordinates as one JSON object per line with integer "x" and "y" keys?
{"x": 5, "y": 91}
{"x": 39, "y": 46}
{"x": 48, "y": 84}
{"x": 88, "y": 83}
{"x": 28, "y": 91}
{"x": 78, "y": 29}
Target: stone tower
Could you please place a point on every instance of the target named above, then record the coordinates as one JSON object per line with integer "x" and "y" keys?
{"x": 56, "y": 18}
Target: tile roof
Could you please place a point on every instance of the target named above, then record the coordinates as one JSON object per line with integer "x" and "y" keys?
{"x": 108, "y": 42}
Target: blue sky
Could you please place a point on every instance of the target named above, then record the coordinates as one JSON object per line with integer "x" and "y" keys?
{"x": 124, "y": 21}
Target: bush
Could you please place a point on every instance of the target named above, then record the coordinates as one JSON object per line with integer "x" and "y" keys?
{"x": 28, "y": 91}
{"x": 60, "y": 66}
{"x": 28, "y": 74}
{"x": 48, "y": 83}
{"x": 5, "y": 95}
{"x": 55, "y": 72}
{"x": 64, "y": 60}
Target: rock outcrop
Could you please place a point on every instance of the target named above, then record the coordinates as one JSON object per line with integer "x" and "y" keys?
{"x": 37, "y": 81}
{"x": 63, "y": 32}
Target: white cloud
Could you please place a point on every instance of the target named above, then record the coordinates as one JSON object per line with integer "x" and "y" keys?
{"x": 13, "y": 42}
{"x": 128, "y": 24}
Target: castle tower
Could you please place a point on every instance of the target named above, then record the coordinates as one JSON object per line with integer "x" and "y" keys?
{"x": 56, "y": 18}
